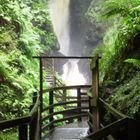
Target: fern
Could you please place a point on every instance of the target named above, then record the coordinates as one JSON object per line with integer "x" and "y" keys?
{"x": 22, "y": 28}
{"x": 133, "y": 61}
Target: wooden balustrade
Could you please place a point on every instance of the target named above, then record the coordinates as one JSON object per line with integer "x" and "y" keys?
{"x": 32, "y": 126}
{"x": 28, "y": 126}
{"x": 122, "y": 121}
{"x": 68, "y": 114}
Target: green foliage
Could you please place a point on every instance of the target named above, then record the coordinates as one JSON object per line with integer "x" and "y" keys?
{"x": 96, "y": 31}
{"x": 23, "y": 26}
{"x": 25, "y": 31}
{"x": 126, "y": 97}
{"x": 133, "y": 61}
{"x": 120, "y": 60}
{"x": 126, "y": 19}
{"x": 8, "y": 135}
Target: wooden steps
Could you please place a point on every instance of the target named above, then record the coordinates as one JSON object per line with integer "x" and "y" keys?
{"x": 74, "y": 131}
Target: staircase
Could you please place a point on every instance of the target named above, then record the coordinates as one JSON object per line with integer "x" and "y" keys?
{"x": 74, "y": 131}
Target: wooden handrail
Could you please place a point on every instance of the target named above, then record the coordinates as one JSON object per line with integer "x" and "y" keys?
{"x": 107, "y": 130}
{"x": 63, "y": 103}
{"x": 14, "y": 122}
{"x": 66, "y": 88}
{"x": 22, "y": 123}
{"x": 113, "y": 127}
{"x": 63, "y": 112}
{"x": 35, "y": 107}
{"x": 112, "y": 110}
{"x": 20, "y": 120}
{"x": 65, "y": 57}
{"x": 63, "y": 119}
{"x": 123, "y": 120}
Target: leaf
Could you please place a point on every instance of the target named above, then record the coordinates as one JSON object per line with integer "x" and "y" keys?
{"x": 133, "y": 61}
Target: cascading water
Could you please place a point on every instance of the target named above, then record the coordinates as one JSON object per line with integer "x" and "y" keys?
{"x": 60, "y": 16}
{"x": 59, "y": 12}
{"x": 72, "y": 75}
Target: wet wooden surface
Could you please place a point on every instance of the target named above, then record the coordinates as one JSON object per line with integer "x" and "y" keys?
{"x": 73, "y": 131}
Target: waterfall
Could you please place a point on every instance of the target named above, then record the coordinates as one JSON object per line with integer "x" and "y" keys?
{"x": 60, "y": 16}
{"x": 59, "y": 12}
{"x": 72, "y": 75}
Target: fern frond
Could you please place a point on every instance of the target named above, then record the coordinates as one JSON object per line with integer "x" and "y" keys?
{"x": 113, "y": 8}
{"x": 133, "y": 61}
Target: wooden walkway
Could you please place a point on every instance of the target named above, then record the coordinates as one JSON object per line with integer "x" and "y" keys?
{"x": 74, "y": 131}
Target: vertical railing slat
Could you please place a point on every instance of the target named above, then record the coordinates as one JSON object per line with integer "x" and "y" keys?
{"x": 64, "y": 97}
{"x": 131, "y": 130}
{"x": 23, "y": 132}
{"x": 79, "y": 103}
{"x": 41, "y": 94}
{"x": 51, "y": 110}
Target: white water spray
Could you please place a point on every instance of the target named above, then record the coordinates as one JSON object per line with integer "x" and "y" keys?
{"x": 60, "y": 13}
{"x": 71, "y": 73}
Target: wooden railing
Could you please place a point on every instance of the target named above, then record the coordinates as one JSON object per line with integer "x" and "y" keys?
{"x": 28, "y": 126}
{"x": 44, "y": 119}
{"x": 123, "y": 127}
{"x": 73, "y": 109}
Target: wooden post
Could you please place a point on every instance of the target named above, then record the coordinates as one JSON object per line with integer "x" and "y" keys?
{"x": 64, "y": 97}
{"x": 95, "y": 96}
{"x": 51, "y": 110}
{"x": 34, "y": 123}
{"x": 53, "y": 71}
{"x": 132, "y": 134}
{"x": 23, "y": 132}
{"x": 90, "y": 111}
{"x": 41, "y": 94}
{"x": 34, "y": 98}
{"x": 79, "y": 103}
{"x": 33, "y": 127}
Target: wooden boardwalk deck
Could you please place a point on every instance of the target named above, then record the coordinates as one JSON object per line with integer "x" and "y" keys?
{"x": 73, "y": 131}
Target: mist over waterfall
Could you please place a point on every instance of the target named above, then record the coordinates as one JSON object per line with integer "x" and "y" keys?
{"x": 60, "y": 13}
